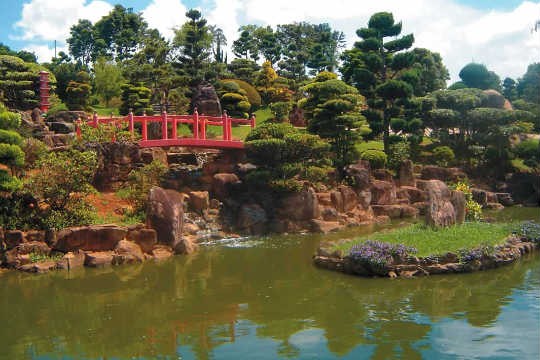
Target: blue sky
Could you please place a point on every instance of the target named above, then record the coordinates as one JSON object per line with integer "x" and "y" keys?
{"x": 493, "y": 32}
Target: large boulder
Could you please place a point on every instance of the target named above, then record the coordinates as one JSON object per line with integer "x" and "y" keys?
{"x": 145, "y": 238}
{"x": 72, "y": 260}
{"x": 98, "y": 258}
{"x": 432, "y": 172}
{"x": 127, "y": 252}
{"x": 360, "y": 174}
{"x": 383, "y": 192}
{"x": 115, "y": 161}
{"x": 459, "y": 202}
{"x": 206, "y": 100}
{"x": 252, "y": 218}
{"x": 406, "y": 174}
{"x": 344, "y": 198}
{"x": 165, "y": 215}
{"x": 222, "y": 183}
{"x": 300, "y": 206}
{"x": 199, "y": 201}
{"x": 89, "y": 238}
{"x": 440, "y": 211}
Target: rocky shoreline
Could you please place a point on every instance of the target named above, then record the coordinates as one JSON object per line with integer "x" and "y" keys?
{"x": 449, "y": 263}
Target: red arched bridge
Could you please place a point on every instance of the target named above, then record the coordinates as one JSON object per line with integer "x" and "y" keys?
{"x": 169, "y": 129}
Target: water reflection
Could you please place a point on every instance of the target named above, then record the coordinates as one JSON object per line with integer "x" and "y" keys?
{"x": 266, "y": 301}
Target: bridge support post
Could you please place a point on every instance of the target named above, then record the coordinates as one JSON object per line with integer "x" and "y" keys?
{"x": 225, "y": 125}
{"x": 174, "y": 129}
{"x": 203, "y": 127}
{"x": 78, "y": 128}
{"x": 131, "y": 125}
{"x": 144, "y": 129}
{"x": 195, "y": 124}
{"x": 164, "y": 125}
{"x": 252, "y": 121}
{"x": 95, "y": 120}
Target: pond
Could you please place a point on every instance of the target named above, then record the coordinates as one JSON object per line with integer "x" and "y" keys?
{"x": 262, "y": 298}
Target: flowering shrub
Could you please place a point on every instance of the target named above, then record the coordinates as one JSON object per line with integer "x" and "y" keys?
{"x": 378, "y": 255}
{"x": 529, "y": 230}
{"x": 473, "y": 210}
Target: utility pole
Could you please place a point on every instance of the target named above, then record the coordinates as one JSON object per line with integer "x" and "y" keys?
{"x": 55, "y": 48}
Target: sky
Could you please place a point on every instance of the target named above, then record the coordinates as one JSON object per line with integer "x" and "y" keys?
{"x": 496, "y": 33}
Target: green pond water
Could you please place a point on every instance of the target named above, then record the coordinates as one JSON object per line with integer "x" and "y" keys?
{"x": 262, "y": 298}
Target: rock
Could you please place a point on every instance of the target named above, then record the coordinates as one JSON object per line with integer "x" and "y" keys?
{"x": 191, "y": 228}
{"x": 383, "y": 175}
{"x": 494, "y": 206}
{"x": 350, "y": 199}
{"x": 329, "y": 214}
{"x": 364, "y": 199}
{"x": 33, "y": 247}
{"x": 360, "y": 174}
{"x": 414, "y": 194}
{"x": 127, "y": 252}
{"x": 300, "y": 206}
{"x": 68, "y": 116}
{"x": 206, "y": 100}
{"x": 98, "y": 258}
{"x": 392, "y": 211}
{"x": 161, "y": 252}
{"x": 324, "y": 198}
{"x": 459, "y": 202}
{"x": 337, "y": 200}
{"x": 41, "y": 267}
{"x": 505, "y": 199}
{"x": 244, "y": 168}
{"x": 12, "y": 238}
{"x": 440, "y": 211}
{"x": 145, "y": 238}
{"x": 165, "y": 215}
{"x": 324, "y": 227}
{"x": 222, "y": 183}
{"x": 251, "y": 217}
{"x": 199, "y": 201}
{"x": 408, "y": 211}
{"x": 383, "y": 192}
{"x": 147, "y": 155}
{"x": 431, "y": 172}
{"x": 90, "y": 238}
{"x": 72, "y": 260}
{"x": 406, "y": 174}
{"x": 480, "y": 196}
{"x": 215, "y": 204}
{"x": 61, "y": 127}
{"x": 35, "y": 235}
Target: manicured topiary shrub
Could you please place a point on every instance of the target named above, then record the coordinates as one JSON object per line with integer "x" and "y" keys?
{"x": 443, "y": 155}
{"x": 233, "y": 98}
{"x": 11, "y": 154}
{"x": 377, "y": 159}
{"x": 281, "y": 110}
{"x": 251, "y": 93}
{"x": 136, "y": 98}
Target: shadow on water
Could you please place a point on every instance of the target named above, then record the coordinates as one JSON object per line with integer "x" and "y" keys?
{"x": 262, "y": 298}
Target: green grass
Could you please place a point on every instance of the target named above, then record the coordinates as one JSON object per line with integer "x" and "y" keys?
{"x": 370, "y": 145}
{"x": 430, "y": 241}
{"x": 105, "y": 111}
{"x": 520, "y": 166}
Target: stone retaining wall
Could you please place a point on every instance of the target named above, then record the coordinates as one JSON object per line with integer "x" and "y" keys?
{"x": 512, "y": 250}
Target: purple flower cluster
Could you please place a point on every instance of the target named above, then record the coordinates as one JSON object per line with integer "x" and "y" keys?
{"x": 469, "y": 255}
{"x": 529, "y": 230}
{"x": 379, "y": 254}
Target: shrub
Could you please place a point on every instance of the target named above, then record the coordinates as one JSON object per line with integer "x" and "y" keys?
{"x": 443, "y": 155}
{"x": 61, "y": 183}
{"x": 10, "y": 137}
{"x": 139, "y": 183}
{"x": 251, "y": 93}
{"x": 398, "y": 152}
{"x": 11, "y": 155}
{"x": 104, "y": 133}
{"x": 9, "y": 120}
{"x": 528, "y": 149}
{"x": 281, "y": 110}
{"x": 53, "y": 110}
{"x": 473, "y": 210}
{"x": 376, "y": 158}
{"x": 34, "y": 150}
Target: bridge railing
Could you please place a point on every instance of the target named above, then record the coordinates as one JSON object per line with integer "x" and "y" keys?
{"x": 198, "y": 122}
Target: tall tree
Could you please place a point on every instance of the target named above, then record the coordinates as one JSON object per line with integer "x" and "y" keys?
{"x": 478, "y": 76}
{"x": 529, "y": 85}
{"x": 427, "y": 73}
{"x": 377, "y": 68}
{"x": 246, "y": 45}
{"x": 194, "y": 43}
{"x": 333, "y": 112}
{"x": 108, "y": 80}
{"x": 83, "y": 43}
{"x": 121, "y": 31}
{"x": 509, "y": 89}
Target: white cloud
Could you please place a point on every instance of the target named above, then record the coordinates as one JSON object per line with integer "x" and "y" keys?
{"x": 225, "y": 16}
{"x": 51, "y": 19}
{"x": 165, "y": 15}
{"x": 500, "y": 39}
{"x": 44, "y": 53}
